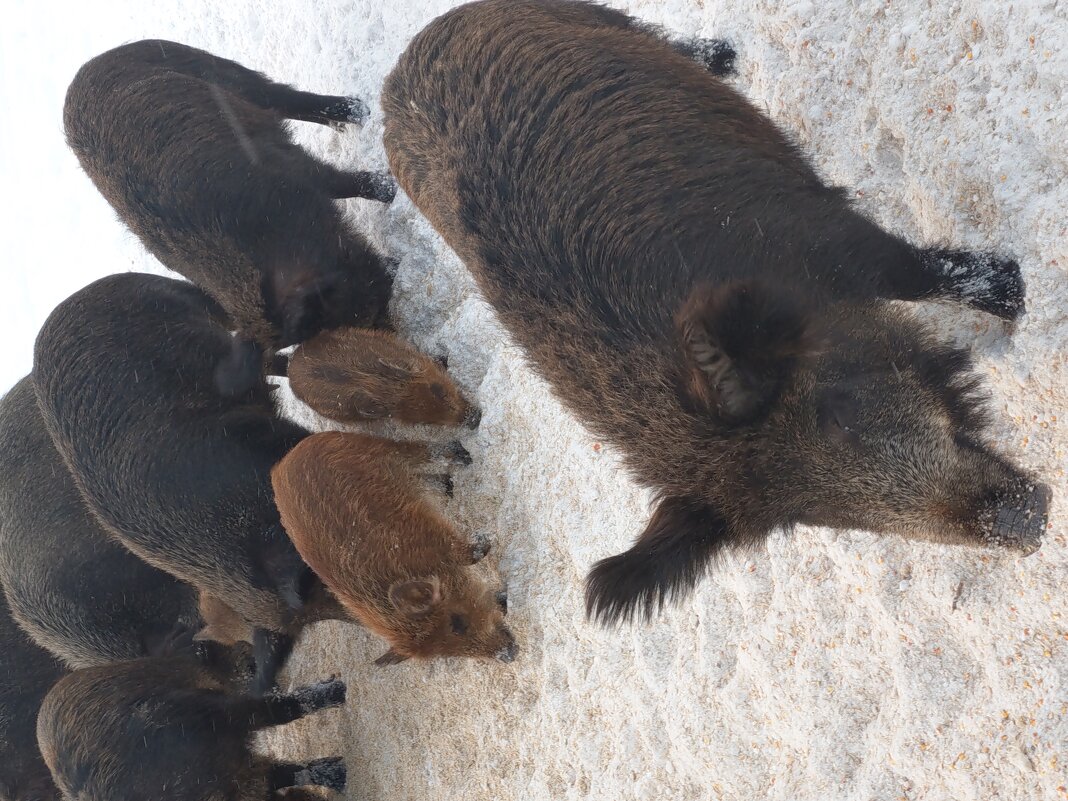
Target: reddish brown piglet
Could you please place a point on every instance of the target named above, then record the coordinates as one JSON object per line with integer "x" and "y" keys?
{"x": 356, "y": 508}
{"x": 353, "y": 375}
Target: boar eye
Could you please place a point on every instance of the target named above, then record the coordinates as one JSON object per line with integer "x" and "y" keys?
{"x": 838, "y": 417}
{"x": 459, "y": 624}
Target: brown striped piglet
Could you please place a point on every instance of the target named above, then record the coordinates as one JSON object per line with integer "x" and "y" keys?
{"x": 355, "y": 375}
{"x": 358, "y": 512}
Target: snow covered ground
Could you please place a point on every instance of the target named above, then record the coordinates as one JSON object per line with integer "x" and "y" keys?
{"x": 833, "y": 665}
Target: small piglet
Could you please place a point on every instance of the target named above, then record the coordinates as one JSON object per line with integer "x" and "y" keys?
{"x": 77, "y": 591}
{"x": 27, "y": 672}
{"x": 357, "y": 512}
{"x": 194, "y": 154}
{"x": 172, "y": 728}
{"x": 354, "y": 375}
{"x": 178, "y": 472}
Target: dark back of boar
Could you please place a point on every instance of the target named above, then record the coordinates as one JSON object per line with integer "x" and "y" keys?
{"x": 177, "y": 472}
{"x": 27, "y": 672}
{"x": 172, "y": 728}
{"x": 696, "y": 295}
{"x": 361, "y": 519}
{"x": 193, "y": 153}
{"x": 80, "y": 594}
{"x": 353, "y": 375}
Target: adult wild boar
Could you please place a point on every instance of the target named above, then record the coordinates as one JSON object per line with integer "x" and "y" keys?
{"x": 176, "y": 729}
{"x": 177, "y": 471}
{"x": 80, "y": 594}
{"x": 193, "y": 152}
{"x": 27, "y": 673}
{"x": 695, "y": 294}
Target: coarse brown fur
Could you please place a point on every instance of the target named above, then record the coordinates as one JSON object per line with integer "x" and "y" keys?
{"x": 696, "y": 295}
{"x": 193, "y": 152}
{"x": 175, "y": 470}
{"x": 27, "y": 673}
{"x": 355, "y": 508}
{"x": 78, "y": 593}
{"x": 353, "y": 375}
{"x": 173, "y": 729}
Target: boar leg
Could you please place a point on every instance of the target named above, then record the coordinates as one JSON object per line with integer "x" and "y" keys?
{"x": 277, "y": 710}
{"x": 253, "y": 86}
{"x": 667, "y": 560}
{"x": 984, "y": 281}
{"x": 715, "y": 55}
{"x": 329, "y": 772}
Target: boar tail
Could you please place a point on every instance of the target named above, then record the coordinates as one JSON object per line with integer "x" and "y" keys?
{"x": 681, "y": 539}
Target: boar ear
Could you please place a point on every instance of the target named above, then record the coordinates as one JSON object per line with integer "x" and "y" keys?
{"x": 739, "y": 343}
{"x": 666, "y": 561}
{"x": 390, "y": 657}
{"x": 416, "y": 598}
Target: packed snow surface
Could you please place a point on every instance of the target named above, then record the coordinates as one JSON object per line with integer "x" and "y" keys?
{"x": 826, "y": 666}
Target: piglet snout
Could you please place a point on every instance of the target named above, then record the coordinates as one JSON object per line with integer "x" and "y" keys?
{"x": 1019, "y": 519}
{"x": 508, "y": 651}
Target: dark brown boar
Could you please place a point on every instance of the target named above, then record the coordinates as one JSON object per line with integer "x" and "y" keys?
{"x": 27, "y": 673}
{"x": 172, "y": 728}
{"x": 696, "y": 295}
{"x": 353, "y": 375}
{"x": 175, "y": 470}
{"x": 76, "y": 591}
{"x": 355, "y": 508}
{"x": 193, "y": 152}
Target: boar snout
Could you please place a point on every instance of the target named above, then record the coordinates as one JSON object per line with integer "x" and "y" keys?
{"x": 507, "y": 652}
{"x": 1018, "y": 519}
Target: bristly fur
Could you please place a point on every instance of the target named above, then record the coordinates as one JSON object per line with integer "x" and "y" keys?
{"x": 356, "y": 508}
{"x": 678, "y": 545}
{"x": 127, "y": 729}
{"x": 250, "y": 218}
{"x": 78, "y": 592}
{"x": 694, "y": 292}
{"x": 179, "y": 474}
{"x": 27, "y": 672}
{"x": 950, "y": 372}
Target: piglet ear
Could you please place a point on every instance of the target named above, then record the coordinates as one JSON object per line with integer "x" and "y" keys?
{"x": 739, "y": 342}
{"x": 416, "y": 598}
{"x": 390, "y": 657}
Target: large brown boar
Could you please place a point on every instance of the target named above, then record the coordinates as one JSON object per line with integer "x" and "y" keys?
{"x": 353, "y": 375}
{"x": 172, "y": 729}
{"x": 78, "y": 593}
{"x": 179, "y": 473}
{"x": 27, "y": 673}
{"x": 695, "y": 294}
{"x": 193, "y": 152}
{"x": 357, "y": 512}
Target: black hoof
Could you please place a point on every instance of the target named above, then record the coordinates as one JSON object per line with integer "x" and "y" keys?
{"x": 329, "y": 772}
{"x": 347, "y": 109}
{"x": 473, "y": 419}
{"x": 381, "y": 187}
{"x": 457, "y": 453}
{"x": 480, "y": 548}
{"x": 322, "y": 695}
{"x": 502, "y": 601}
{"x": 715, "y": 55}
{"x": 984, "y": 281}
